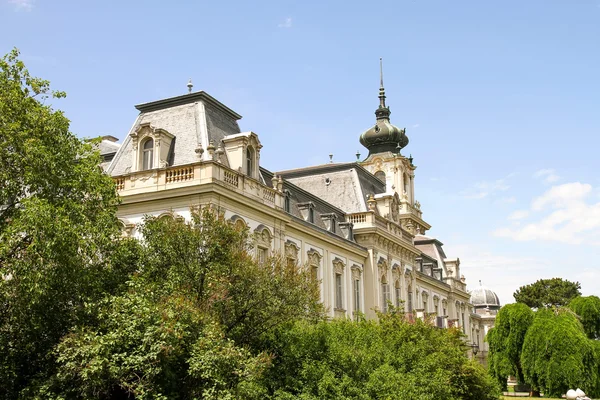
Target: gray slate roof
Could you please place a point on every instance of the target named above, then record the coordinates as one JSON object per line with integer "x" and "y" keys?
{"x": 345, "y": 186}
{"x": 194, "y": 119}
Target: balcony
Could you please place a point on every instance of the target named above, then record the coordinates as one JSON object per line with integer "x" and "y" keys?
{"x": 200, "y": 173}
{"x": 369, "y": 219}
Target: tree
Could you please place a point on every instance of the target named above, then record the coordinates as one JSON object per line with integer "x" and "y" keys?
{"x": 506, "y": 340}
{"x": 57, "y": 229}
{"x": 548, "y": 292}
{"x": 588, "y": 310}
{"x": 558, "y": 356}
{"x": 389, "y": 359}
{"x": 194, "y": 322}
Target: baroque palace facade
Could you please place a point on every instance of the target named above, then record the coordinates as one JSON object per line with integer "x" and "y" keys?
{"x": 356, "y": 225}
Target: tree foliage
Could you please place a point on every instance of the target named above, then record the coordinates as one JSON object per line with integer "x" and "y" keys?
{"x": 193, "y": 322}
{"x": 558, "y": 356}
{"x": 506, "y": 340}
{"x": 392, "y": 359}
{"x": 588, "y": 310}
{"x": 555, "y": 292}
{"x": 57, "y": 229}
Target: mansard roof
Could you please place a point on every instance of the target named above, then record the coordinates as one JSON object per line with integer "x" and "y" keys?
{"x": 344, "y": 185}
{"x": 194, "y": 119}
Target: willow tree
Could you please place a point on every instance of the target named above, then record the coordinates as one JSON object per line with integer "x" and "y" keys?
{"x": 506, "y": 340}
{"x": 557, "y": 355}
{"x": 588, "y": 310}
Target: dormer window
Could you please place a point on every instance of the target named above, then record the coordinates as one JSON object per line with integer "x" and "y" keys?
{"x": 307, "y": 211}
{"x": 249, "y": 161}
{"x": 287, "y": 202}
{"x": 147, "y": 154}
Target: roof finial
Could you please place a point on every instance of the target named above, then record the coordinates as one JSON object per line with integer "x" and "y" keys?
{"x": 330, "y": 158}
{"x": 381, "y": 89}
{"x": 190, "y": 85}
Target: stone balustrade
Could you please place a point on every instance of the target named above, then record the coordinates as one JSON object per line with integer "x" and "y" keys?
{"x": 199, "y": 173}
{"x": 370, "y": 219}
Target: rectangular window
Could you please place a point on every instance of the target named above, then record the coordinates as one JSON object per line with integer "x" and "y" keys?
{"x": 147, "y": 159}
{"x": 425, "y": 305}
{"x": 338, "y": 292}
{"x": 436, "y": 310}
{"x": 462, "y": 321}
{"x": 314, "y": 273}
{"x": 398, "y": 295}
{"x": 311, "y": 215}
{"x": 409, "y": 303}
{"x": 262, "y": 255}
{"x": 385, "y": 291}
{"x": 356, "y": 295}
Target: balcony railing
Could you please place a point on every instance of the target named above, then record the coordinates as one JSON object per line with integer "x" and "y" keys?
{"x": 370, "y": 219}
{"x": 195, "y": 174}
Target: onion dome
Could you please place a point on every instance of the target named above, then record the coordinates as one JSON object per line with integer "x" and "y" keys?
{"x": 482, "y": 297}
{"x": 383, "y": 136}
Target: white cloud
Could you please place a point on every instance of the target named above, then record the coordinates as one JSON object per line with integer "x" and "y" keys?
{"x": 24, "y": 5}
{"x": 484, "y": 189}
{"x": 547, "y": 175}
{"x": 416, "y": 126}
{"x": 287, "y": 23}
{"x": 519, "y": 214}
{"x": 567, "y": 217}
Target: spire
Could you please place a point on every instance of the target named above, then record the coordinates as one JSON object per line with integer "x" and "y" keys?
{"x": 381, "y": 89}
{"x": 383, "y": 136}
{"x": 382, "y": 112}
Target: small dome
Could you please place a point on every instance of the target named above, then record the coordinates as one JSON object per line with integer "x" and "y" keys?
{"x": 482, "y": 297}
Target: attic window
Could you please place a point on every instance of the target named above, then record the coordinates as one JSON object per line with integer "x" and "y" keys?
{"x": 287, "y": 202}
{"x": 147, "y": 154}
{"x": 380, "y": 175}
{"x": 249, "y": 161}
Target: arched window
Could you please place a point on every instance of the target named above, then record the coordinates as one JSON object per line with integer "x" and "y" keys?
{"x": 380, "y": 175}
{"x": 405, "y": 181}
{"x": 147, "y": 154}
{"x": 249, "y": 161}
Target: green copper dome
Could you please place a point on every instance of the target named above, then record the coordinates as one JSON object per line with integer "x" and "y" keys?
{"x": 383, "y": 136}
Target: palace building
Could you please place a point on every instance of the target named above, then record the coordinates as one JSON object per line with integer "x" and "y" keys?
{"x": 356, "y": 225}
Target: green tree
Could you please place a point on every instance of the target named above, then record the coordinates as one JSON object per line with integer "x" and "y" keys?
{"x": 557, "y": 355}
{"x": 506, "y": 341}
{"x": 588, "y": 310}
{"x": 57, "y": 229}
{"x": 390, "y": 359}
{"x": 555, "y": 292}
{"x": 193, "y": 323}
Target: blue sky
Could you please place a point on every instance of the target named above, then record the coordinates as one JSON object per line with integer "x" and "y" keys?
{"x": 500, "y": 101}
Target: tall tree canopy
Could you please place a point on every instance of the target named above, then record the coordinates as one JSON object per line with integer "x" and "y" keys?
{"x": 588, "y": 310}
{"x": 57, "y": 227}
{"x": 548, "y": 292}
{"x": 194, "y": 322}
{"x": 557, "y": 355}
{"x": 506, "y": 341}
